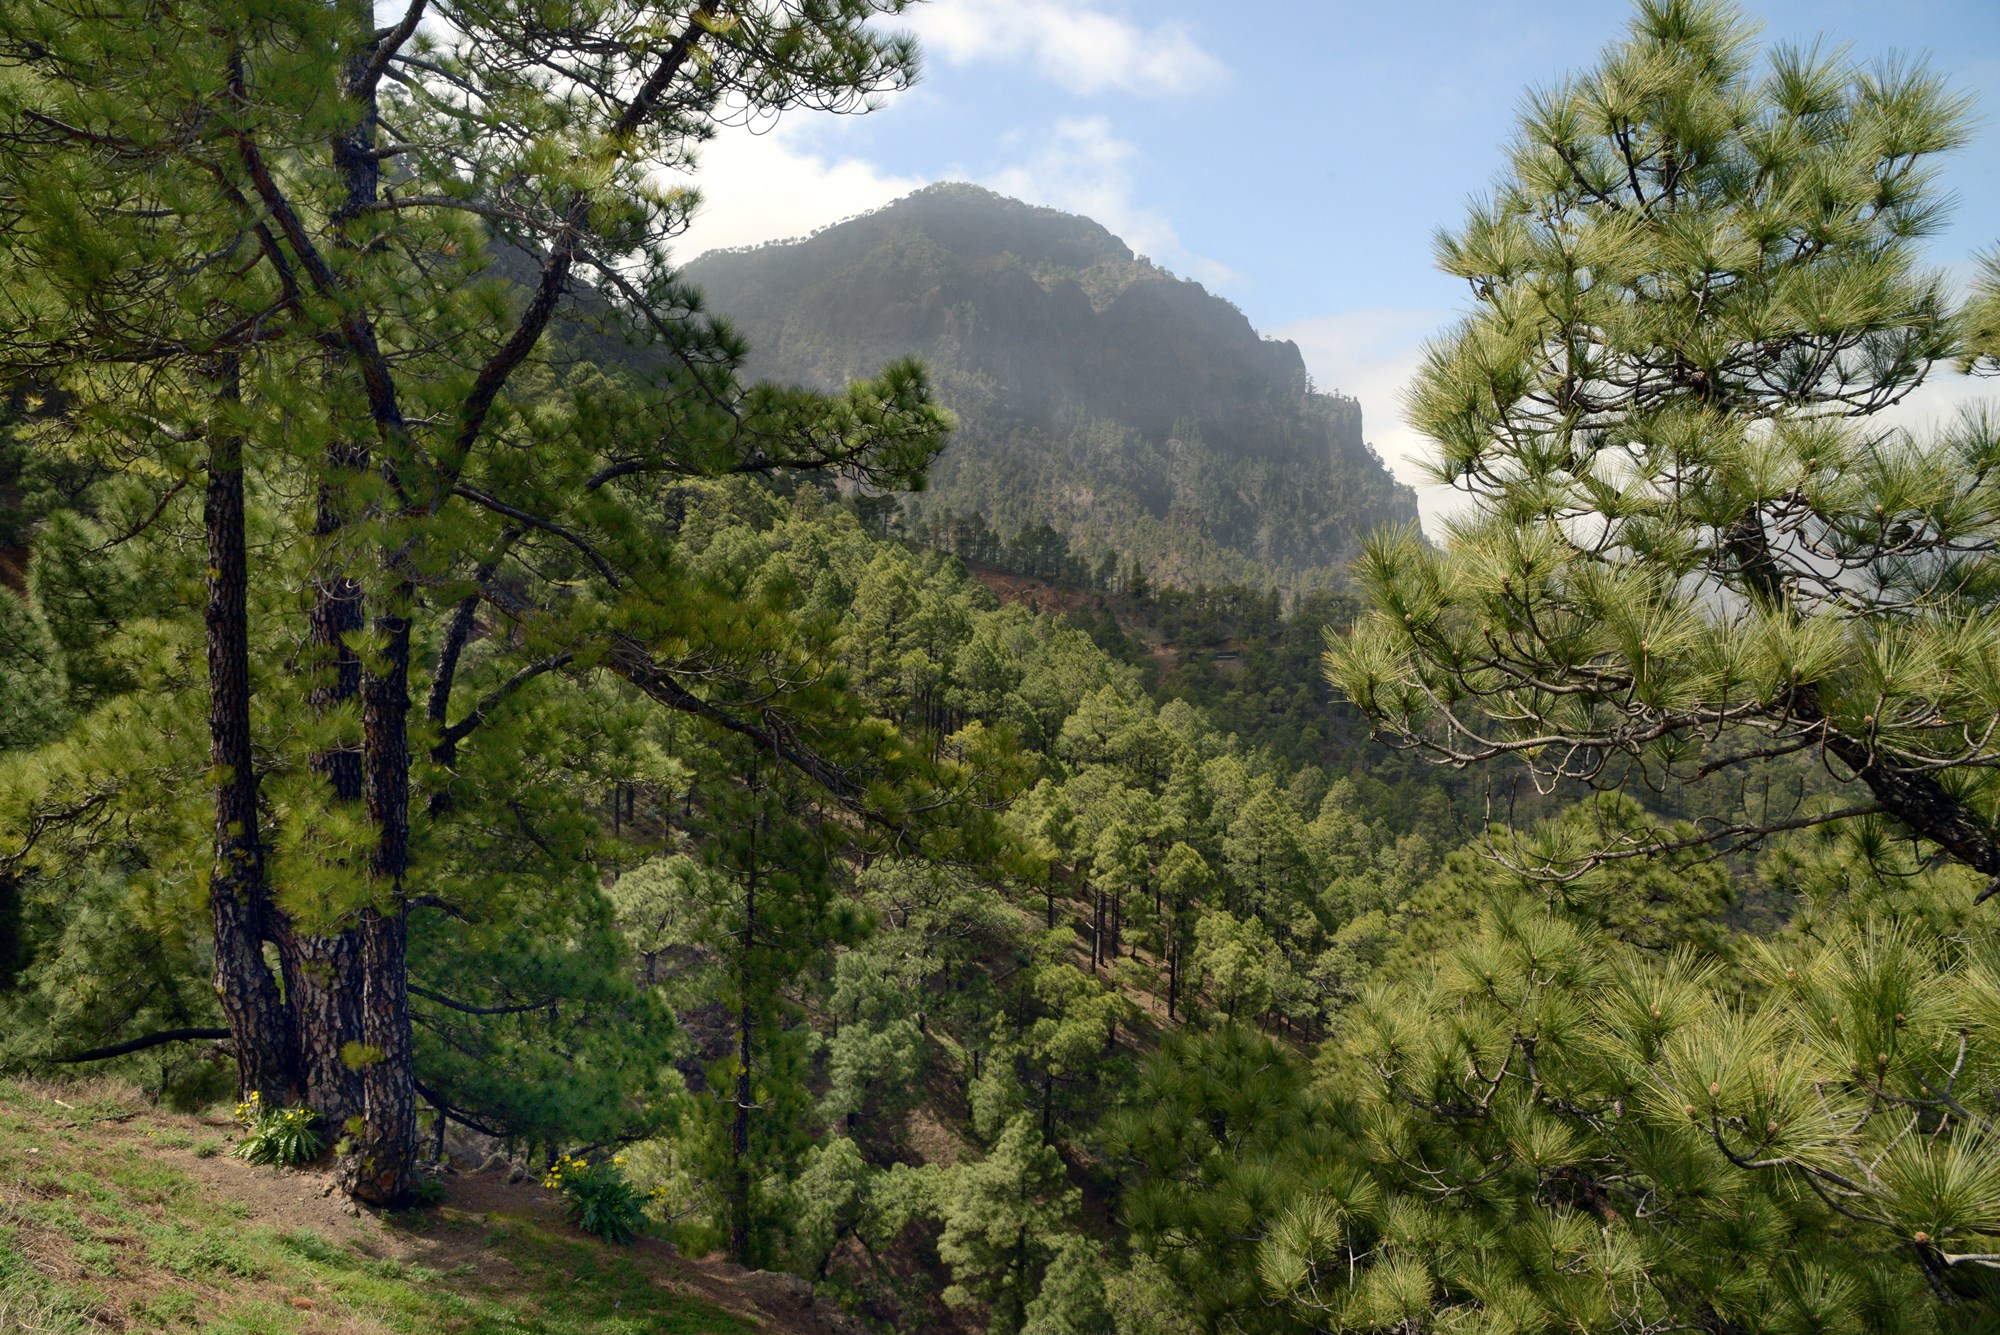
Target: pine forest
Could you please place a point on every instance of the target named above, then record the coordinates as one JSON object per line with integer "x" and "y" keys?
{"x": 928, "y": 778}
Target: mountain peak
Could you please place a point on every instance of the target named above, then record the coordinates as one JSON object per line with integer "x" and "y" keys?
{"x": 1132, "y": 410}
{"x": 971, "y": 221}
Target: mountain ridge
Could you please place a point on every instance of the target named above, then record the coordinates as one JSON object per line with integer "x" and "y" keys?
{"x": 1133, "y": 411}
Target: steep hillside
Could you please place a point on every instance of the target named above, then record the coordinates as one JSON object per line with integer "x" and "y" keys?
{"x": 119, "y": 1216}
{"x": 1132, "y": 411}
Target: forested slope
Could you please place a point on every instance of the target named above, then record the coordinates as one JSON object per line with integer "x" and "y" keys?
{"x": 1134, "y": 412}
{"x": 1026, "y": 1090}
{"x": 453, "y": 717}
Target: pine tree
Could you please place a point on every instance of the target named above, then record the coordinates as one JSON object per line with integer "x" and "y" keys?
{"x": 1693, "y": 285}
{"x": 279, "y": 242}
{"x": 1722, "y": 1140}
{"x": 1222, "y": 1131}
{"x": 1002, "y": 1219}
{"x": 1184, "y": 881}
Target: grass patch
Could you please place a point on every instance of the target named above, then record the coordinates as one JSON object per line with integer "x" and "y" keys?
{"x": 142, "y": 1182}
{"x": 14, "y": 1267}
{"x": 97, "y": 1257}
{"x": 310, "y": 1246}
{"x": 183, "y": 1251}
{"x": 32, "y": 1310}
{"x": 57, "y": 1214}
{"x": 176, "y": 1309}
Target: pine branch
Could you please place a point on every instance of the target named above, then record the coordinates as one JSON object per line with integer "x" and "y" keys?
{"x": 461, "y": 1006}
{"x": 154, "y": 1040}
{"x": 460, "y": 730}
{"x": 388, "y": 42}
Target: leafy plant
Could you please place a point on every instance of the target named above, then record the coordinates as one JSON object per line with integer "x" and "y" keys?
{"x": 279, "y": 1137}
{"x": 598, "y": 1198}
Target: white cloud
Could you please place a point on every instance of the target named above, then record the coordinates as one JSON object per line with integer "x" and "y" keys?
{"x": 1082, "y": 167}
{"x": 1936, "y": 404}
{"x": 1083, "y": 48}
{"x": 778, "y": 184}
{"x": 1373, "y": 355}
{"x": 784, "y": 182}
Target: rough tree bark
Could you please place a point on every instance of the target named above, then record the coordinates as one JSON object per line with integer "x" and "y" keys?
{"x": 239, "y": 900}
{"x": 381, "y": 1165}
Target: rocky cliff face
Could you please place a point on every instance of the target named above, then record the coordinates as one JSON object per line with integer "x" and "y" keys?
{"x": 1131, "y": 410}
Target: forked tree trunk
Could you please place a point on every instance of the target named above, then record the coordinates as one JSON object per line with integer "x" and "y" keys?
{"x": 380, "y": 1129}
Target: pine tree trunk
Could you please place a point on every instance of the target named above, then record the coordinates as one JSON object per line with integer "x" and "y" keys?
{"x": 381, "y": 1166}
{"x": 739, "y": 1144}
{"x": 238, "y": 897}
{"x": 322, "y": 996}
{"x": 1096, "y": 927}
{"x": 321, "y": 962}
{"x": 739, "y": 1132}
{"x": 346, "y": 982}
{"x": 13, "y": 950}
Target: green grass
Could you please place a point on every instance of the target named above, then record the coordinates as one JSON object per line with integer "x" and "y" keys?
{"x": 160, "y": 1251}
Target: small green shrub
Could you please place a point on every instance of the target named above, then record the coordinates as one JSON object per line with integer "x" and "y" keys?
{"x": 280, "y": 1137}
{"x": 430, "y": 1191}
{"x": 598, "y": 1198}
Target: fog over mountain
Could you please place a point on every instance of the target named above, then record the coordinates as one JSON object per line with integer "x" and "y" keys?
{"x": 1130, "y": 410}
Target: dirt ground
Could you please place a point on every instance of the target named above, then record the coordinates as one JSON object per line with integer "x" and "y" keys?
{"x": 464, "y": 1237}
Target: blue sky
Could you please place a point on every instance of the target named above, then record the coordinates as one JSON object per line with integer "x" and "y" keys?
{"x": 1293, "y": 155}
